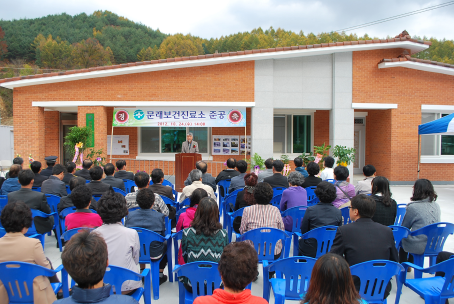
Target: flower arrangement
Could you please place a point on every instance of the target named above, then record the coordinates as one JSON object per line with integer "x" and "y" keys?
{"x": 286, "y": 170}
{"x": 345, "y": 156}
{"x": 30, "y": 159}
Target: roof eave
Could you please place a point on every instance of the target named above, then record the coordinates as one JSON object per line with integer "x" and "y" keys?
{"x": 413, "y": 46}
{"x": 417, "y": 66}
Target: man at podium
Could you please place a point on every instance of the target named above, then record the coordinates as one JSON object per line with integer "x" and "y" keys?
{"x": 190, "y": 146}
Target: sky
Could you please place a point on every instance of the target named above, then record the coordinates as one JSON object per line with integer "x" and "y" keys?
{"x": 211, "y": 19}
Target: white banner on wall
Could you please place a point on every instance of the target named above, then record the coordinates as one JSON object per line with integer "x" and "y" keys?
{"x": 226, "y": 145}
{"x": 120, "y": 145}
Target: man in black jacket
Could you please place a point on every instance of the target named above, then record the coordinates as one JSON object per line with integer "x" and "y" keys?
{"x": 363, "y": 239}
{"x": 86, "y": 165}
{"x": 109, "y": 170}
{"x": 33, "y": 199}
{"x": 277, "y": 179}
{"x": 39, "y": 178}
{"x": 207, "y": 179}
{"x": 54, "y": 185}
{"x": 122, "y": 173}
{"x": 70, "y": 170}
{"x": 229, "y": 172}
{"x": 96, "y": 185}
{"x": 50, "y": 161}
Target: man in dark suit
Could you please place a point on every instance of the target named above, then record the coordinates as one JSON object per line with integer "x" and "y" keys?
{"x": 122, "y": 173}
{"x": 237, "y": 182}
{"x": 39, "y": 178}
{"x": 229, "y": 172}
{"x": 86, "y": 165}
{"x": 50, "y": 161}
{"x": 66, "y": 201}
{"x": 277, "y": 179}
{"x": 54, "y": 185}
{"x": 363, "y": 239}
{"x": 207, "y": 179}
{"x": 109, "y": 170}
{"x": 33, "y": 199}
{"x": 70, "y": 170}
{"x": 96, "y": 185}
{"x": 157, "y": 177}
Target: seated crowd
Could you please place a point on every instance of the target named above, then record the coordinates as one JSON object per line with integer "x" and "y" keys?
{"x": 115, "y": 218}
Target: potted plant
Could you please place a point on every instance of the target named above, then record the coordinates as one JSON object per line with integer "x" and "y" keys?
{"x": 76, "y": 141}
{"x": 345, "y": 156}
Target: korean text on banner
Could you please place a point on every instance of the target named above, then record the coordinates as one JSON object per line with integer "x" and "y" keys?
{"x": 180, "y": 117}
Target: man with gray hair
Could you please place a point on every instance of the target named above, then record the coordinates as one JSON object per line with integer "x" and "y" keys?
{"x": 196, "y": 177}
{"x": 190, "y": 146}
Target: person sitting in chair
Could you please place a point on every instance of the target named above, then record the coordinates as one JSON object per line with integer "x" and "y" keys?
{"x": 54, "y": 185}
{"x": 277, "y": 179}
{"x": 39, "y": 178}
{"x": 109, "y": 170}
{"x": 96, "y": 185}
{"x": 86, "y": 165}
{"x": 122, "y": 173}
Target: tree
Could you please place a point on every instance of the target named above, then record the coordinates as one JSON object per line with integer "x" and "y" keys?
{"x": 148, "y": 54}
{"x": 3, "y": 45}
{"x": 180, "y": 46}
{"x": 90, "y": 53}
{"x": 52, "y": 54}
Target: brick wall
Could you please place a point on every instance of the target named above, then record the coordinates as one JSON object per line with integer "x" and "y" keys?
{"x": 396, "y": 154}
{"x": 100, "y": 125}
{"x": 321, "y": 127}
{"x": 52, "y": 133}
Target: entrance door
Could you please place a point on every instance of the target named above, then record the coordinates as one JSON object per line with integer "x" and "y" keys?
{"x": 67, "y": 120}
{"x": 359, "y": 144}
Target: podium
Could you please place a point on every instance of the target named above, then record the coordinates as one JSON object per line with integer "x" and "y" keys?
{"x": 184, "y": 163}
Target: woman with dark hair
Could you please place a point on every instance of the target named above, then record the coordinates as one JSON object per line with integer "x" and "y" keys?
{"x": 386, "y": 207}
{"x": 238, "y": 268}
{"x": 186, "y": 218}
{"x": 16, "y": 218}
{"x": 123, "y": 243}
{"x": 312, "y": 180}
{"x": 205, "y": 239}
{"x": 331, "y": 282}
{"x": 12, "y": 183}
{"x": 345, "y": 191}
{"x": 322, "y": 214}
{"x": 423, "y": 210}
{"x": 294, "y": 196}
{"x": 246, "y": 197}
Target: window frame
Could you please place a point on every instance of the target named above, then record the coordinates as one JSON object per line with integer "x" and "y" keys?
{"x": 436, "y": 159}
{"x": 292, "y": 112}
{"x": 167, "y": 156}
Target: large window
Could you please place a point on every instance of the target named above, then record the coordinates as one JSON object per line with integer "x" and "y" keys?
{"x": 170, "y": 139}
{"x": 292, "y": 134}
{"x": 435, "y": 145}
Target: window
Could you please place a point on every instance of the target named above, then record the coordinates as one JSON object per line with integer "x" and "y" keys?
{"x": 292, "y": 134}
{"x": 170, "y": 139}
{"x": 435, "y": 145}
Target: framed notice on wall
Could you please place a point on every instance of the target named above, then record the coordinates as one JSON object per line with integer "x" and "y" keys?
{"x": 120, "y": 144}
{"x": 226, "y": 145}
{"x": 245, "y": 146}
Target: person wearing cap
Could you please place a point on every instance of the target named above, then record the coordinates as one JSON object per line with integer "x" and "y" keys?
{"x": 190, "y": 146}
{"x": 50, "y": 161}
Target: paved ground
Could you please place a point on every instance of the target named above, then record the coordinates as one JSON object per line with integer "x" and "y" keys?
{"x": 402, "y": 194}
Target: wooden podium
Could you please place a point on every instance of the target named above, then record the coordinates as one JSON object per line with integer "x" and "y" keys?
{"x": 184, "y": 163}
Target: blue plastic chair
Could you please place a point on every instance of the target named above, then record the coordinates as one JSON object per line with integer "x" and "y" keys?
{"x": 167, "y": 183}
{"x": 265, "y": 239}
{"x": 278, "y": 190}
{"x": 176, "y": 241}
{"x": 118, "y": 190}
{"x": 168, "y": 201}
{"x": 297, "y": 272}
{"x": 53, "y": 202}
{"x": 346, "y": 215}
{"x": 223, "y": 188}
{"x": 97, "y": 196}
{"x": 116, "y": 276}
{"x": 374, "y": 277}
{"x": 2, "y": 232}
{"x": 231, "y": 217}
{"x": 62, "y": 216}
{"x": 276, "y": 201}
{"x": 401, "y": 210}
{"x": 32, "y": 229}
{"x": 332, "y": 181}
{"x": 324, "y": 236}
{"x": 69, "y": 234}
{"x": 310, "y": 193}
{"x": 227, "y": 205}
{"x": 33, "y": 236}
{"x": 433, "y": 289}
{"x": 200, "y": 274}
{"x": 17, "y": 278}
{"x": 146, "y": 237}
{"x": 399, "y": 233}
{"x": 68, "y": 190}
{"x": 179, "y": 212}
{"x": 436, "y": 237}
{"x": 3, "y": 201}
{"x": 297, "y": 215}
{"x": 185, "y": 202}
{"x": 37, "y": 189}
{"x": 129, "y": 185}
{"x": 175, "y": 194}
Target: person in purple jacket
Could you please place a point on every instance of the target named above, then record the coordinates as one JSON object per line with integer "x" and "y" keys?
{"x": 344, "y": 190}
{"x": 293, "y": 196}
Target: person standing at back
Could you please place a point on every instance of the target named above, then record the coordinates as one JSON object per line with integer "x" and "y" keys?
{"x": 85, "y": 173}
{"x": 122, "y": 173}
{"x": 109, "y": 170}
{"x": 39, "y": 178}
{"x": 54, "y": 184}
{"x": 277, "y": 179}
{"x": 190, "y": 146}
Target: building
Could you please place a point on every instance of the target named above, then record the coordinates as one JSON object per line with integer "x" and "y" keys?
{"x": 370, "y": 95}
